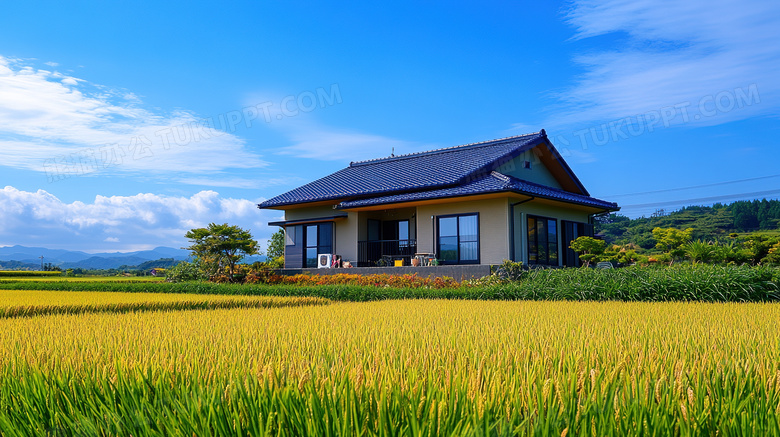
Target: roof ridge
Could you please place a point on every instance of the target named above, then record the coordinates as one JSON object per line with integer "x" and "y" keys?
{"x": 502, "y": 177}
{"x": 443, "y": 149}
{"x": 512, "y": 179}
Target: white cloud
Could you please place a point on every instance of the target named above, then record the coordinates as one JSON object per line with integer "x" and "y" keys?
{"x": 314, "y": 140}
{"x": 327, "y": 144}
{"x": 49, "y": 120}
{"x": 233, "y": 182}
{"x": 136, "y": 222}
{"x": 578, "y": 156}
{"x": 675, "y": 53}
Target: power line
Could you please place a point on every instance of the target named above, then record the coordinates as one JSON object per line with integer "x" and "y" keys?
{"x": 703, "y": 199}
{"x": 693, "y": 187}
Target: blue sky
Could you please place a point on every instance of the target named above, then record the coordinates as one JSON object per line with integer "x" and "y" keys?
{"x": 122, "y": 125}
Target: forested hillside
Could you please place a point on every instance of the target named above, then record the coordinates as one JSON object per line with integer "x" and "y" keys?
{"x": 708, "y": 222}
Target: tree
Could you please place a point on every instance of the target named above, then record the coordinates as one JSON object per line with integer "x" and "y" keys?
{"x": 276, "y": 244}
{"x": 588, "y": 248}
{"x": 275, "y": 250}
{"x": 744, "y": 215}
{"x": 222, "y": 245}
{"x": 672, "y": 241}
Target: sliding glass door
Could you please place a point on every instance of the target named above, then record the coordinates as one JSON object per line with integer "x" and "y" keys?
{"x": 542, "y": 241}
{"x": 319, "y": 239}
{"x": 458, "y": 239}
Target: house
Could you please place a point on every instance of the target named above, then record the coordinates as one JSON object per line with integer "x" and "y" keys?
{"x": 513, "y": 198}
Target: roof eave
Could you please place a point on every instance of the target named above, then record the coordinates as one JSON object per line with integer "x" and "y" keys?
{"x": 572, "y": 202}
{"x": 294, "y": 205}
{"x": 439, "y": 199}
{"x": 308, "y": 220}
{"x": 503, "y": 190}
{"x": 335, "y": 201}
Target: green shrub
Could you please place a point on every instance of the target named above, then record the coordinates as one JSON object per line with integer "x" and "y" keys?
{"x": 698, "y": 282}
{"x": 773, "y": 255}
{"x": 276, "y": 263}
{"x": 185, "y": 271}
{"x": 509, "y": 270}
{"x": 701, "y": 251}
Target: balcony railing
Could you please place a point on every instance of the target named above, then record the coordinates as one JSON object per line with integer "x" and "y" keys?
{"x": 372, "y": 251}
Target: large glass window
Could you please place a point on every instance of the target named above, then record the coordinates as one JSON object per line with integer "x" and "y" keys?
{"x": 542, "y": 241}
{"x": 403, "y": 229}
{"x": 289, "y": 235}
{"x": 458, "y": 239}
{"x": 403, "y": 233}
{"x": 319, "y": 239}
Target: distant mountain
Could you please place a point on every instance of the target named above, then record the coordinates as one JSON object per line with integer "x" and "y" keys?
{"x": 162, "y": 263}
{"x": 17, "y": 265}
{"x": 99, "y": 262}
{"x": 67, "y": 259}
{"x": 33, "y": 253}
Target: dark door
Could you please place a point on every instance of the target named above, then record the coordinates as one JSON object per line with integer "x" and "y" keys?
{"x": 571, "y": 231}
{"x": 373, "y": 245}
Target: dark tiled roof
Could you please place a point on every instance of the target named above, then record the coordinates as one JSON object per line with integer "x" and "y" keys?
{"x": 413, "y": 172}
{"x": 493, "y": 183}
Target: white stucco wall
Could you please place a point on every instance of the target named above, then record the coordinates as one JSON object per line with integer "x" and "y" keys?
{"x": 493, "y": 226}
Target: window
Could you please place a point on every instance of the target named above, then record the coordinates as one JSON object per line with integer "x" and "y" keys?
{"x": 374, "y": 230}
{"x": 319, "y": 239}
{"x": 397, "y": 230}
{"x": 403, "y": 232}
{"x": 542, "y": 241}
{"x": 458, "y": 239}
{"x": 392, "y": 230}
{"x": 289, "y": 235}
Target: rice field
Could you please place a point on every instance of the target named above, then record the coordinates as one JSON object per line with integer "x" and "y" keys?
{"x": 397, "y": 367}
{"x": 26, "y": 303}
{"x": 58, "y": 277}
